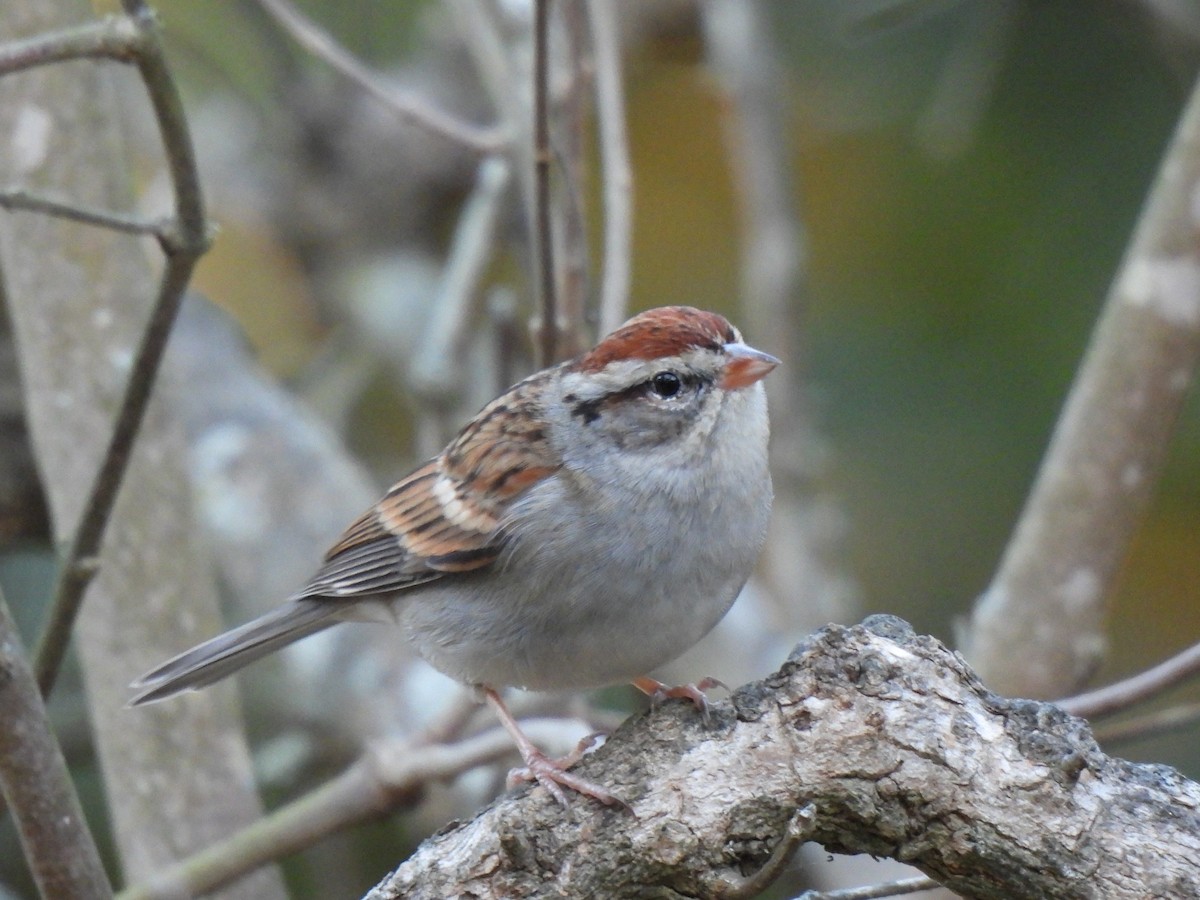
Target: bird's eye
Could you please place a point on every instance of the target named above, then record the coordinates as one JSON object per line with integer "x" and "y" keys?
{"x": 666, "y": 384}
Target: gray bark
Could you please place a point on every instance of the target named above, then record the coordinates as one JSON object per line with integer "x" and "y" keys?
{"x": 869, "y": 739}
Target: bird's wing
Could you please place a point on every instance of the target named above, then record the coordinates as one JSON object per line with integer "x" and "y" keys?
{"x": 446, "y": 517}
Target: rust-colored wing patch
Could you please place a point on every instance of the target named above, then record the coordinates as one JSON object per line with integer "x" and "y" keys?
{"x": 447, "y": 516}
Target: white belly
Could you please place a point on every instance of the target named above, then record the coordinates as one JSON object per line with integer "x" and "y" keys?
{"x": 584, "y": 621}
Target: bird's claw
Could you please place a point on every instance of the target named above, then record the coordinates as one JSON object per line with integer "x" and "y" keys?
{"x": 552, "y": 774}
{"x": 658, "y": 692}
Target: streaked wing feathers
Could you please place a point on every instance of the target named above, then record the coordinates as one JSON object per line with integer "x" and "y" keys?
{"x": 447, "y": 516}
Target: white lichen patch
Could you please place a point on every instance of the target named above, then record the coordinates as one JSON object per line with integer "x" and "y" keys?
{"x": 1132, "y": 475}
{"x": 1080, "y": 589}
{"x": 1168, "y": 286}
{"x": 30, "y": 139}
{"x": 897, "y": 653}
{"x": 121, "y": 359}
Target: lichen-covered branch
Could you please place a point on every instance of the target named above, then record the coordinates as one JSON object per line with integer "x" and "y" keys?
{"x": 872, "y": 740}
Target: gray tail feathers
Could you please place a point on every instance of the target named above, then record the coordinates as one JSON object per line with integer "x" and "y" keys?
{"x": 225, "y": 654}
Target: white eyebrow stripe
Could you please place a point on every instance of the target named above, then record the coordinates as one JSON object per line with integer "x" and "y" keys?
{"x": 624, "y": 373}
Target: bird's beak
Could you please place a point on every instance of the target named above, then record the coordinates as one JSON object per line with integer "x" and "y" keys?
{"x": 746, "y": 366}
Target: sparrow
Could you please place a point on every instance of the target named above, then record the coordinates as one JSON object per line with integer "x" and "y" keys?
{"x": 588, "y": 525}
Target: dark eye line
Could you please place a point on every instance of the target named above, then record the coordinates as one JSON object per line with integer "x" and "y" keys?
{"x": 590, "y": 411}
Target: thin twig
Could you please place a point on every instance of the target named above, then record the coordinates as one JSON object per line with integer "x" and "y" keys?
{"x": 183, "y": 243}
{"x": 743, "y": 887}
{"x": 875, "y": 891}
{"x": 432, "y": 373}
{"x": 617, "y": 176}
{"x": 572, "y": 103}
{"x": 1049, "y": 595}
{"x": 113, "y": 37}
{"x": 1135, "y": 689}
{"x": 481, "y": 31}
{"x": 407, "y": 105}
{"x": 19, "y": 199}
{"x": 543, "y": 234}
{"x": 37, "y": 786}
{"x": 386, "y": 778}
{"x": 502, "y": 73}
{"x": 1152, "y": 724}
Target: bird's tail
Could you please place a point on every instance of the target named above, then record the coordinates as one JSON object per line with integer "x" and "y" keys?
{"x": 225, "y": 654}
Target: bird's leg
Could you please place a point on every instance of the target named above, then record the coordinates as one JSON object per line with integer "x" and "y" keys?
{"x": 551, "y": 774}
{"x": 658, "y": 692}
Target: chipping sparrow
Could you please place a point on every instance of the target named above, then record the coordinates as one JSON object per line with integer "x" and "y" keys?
{"x": 588, "y": 525}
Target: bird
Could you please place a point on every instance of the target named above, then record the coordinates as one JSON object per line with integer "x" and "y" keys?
{"x": 587, "y": 526}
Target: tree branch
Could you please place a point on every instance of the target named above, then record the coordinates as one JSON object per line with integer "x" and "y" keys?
{"x": 874, "y": 891}
{"x": 409, "y": 106}
{"x": 18, "y": 199}
{"x": 546, "y": 274}
{"x": 114, "y": 37}
{"x": 618, "y": 170}
{"x": 184, "y": 242}
{"x": 1136, "y": 688}
{"x": 574, "y": 75}
{"x": 435, "y": 373}
{"x": 1049, "y": 595}
{"x": 390, "y": 776}
{"x": 37, "y": 786}
{"x": 900, "y": 752}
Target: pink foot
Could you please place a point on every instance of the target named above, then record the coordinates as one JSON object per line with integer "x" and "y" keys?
{"x": 551, "y": 774}
{"x": 658, "y": 692}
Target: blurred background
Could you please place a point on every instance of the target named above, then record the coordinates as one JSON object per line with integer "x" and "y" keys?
{"x": 967, "y": 173}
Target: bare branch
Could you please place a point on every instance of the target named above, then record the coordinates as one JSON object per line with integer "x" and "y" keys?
{"x": 389, "y": 777}
{"x": 875, "y": 891}
{"x": 432, "y": 374}
{"x": 572, "y": 108}
{"x": 407, "y": 105}
{"x": 1049, "y": 596}
{"x": 184, "y": 243}
{"x": 18, "y": 199}
{"x": 37, "y": 786}
{"x": 966, "y": 80}
{"x": 744, "y": 887}
{"x": 546, "y": 277}
{"x": 618, "y": 171}
{"x": 114, "y": 37}
{"x": 900, "y": 751}
{"x": 497, "y": 72}
{"x": 1135, "y": 689}
{"x": 1152, "y": 724}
